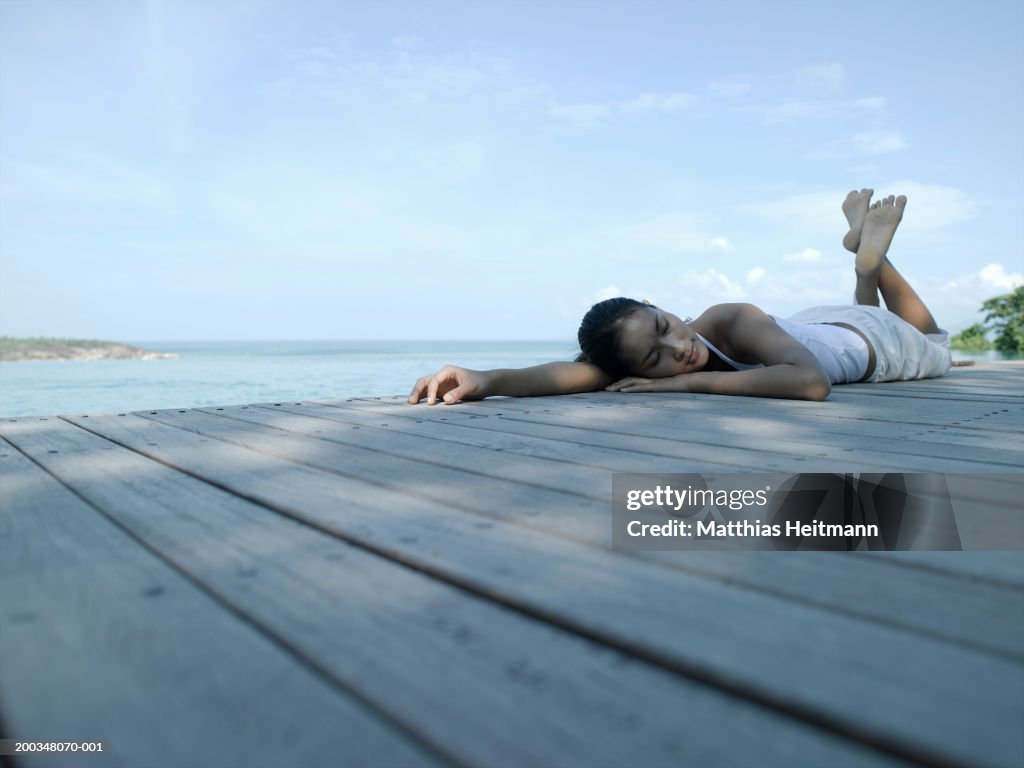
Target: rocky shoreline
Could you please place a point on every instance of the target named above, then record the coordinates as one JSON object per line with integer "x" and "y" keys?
{"x": 16, "y": 350}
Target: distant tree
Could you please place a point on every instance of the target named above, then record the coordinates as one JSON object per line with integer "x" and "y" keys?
{"x": 1006, "y": 317}
{"x": 971, "y": 338}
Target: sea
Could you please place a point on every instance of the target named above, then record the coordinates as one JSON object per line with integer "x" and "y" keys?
{"x": 238, "y": 372}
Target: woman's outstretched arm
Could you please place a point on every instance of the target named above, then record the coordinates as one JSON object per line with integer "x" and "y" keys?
{"x": 452, "y": 383}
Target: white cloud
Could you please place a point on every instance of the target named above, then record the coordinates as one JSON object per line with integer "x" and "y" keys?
{"x": 713, "y": 286}
{"x": 822, "y": 76}
{"x": 878, "y": 142}
{"x": 719, "y": 244}
{"x": 405, "y": 72}
{"x": 864, "y": 171}
{"x": 609, "y": 292}
{"x": 411, "y": 74}
{"x": 796, "y": 289}
{"x": 931, "y": 209}
{"x": 992, "y": 278}
{"x": 809, "y": 214}
{"x": 793, "y": 109}
{"x": 870, "y": 144}
{"x": 781, "y": 293}
{"x": 592, "y": 113}
{"x": 806, "y": 256}
{"x": 957, "y": 302}
{"x": 995, "y": 275}
{"x": 681, "y": 232}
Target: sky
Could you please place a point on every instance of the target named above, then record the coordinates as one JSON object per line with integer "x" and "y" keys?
{"x": 440, "y": 170}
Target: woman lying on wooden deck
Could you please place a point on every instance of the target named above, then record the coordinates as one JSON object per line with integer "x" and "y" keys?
{"x": 737, "y": 349}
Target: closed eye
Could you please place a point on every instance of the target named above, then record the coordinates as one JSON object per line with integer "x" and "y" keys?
{"x": 660, "y": 328}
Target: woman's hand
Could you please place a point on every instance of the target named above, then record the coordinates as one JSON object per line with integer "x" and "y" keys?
{"x": 451, "y": 384}
{"x": 634, "y": 384}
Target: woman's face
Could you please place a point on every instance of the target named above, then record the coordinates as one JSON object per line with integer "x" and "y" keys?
{"x": 655, "y": 344}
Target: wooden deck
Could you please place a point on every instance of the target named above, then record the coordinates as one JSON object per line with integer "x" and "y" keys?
{"x": 365, "y": 583}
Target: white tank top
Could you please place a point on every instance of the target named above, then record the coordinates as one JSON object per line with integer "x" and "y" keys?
{"x": 841, "y": 353}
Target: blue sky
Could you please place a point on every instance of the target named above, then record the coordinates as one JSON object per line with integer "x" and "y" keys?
{"x": 427, "y": 170}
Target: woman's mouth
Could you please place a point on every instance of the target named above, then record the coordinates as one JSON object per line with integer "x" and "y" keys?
{"x": 693, "y": 354}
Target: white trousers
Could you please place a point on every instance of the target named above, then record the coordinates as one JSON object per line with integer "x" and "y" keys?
{"x": 902, "y": 352}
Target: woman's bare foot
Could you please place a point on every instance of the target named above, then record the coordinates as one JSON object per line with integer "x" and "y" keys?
{"x": 854, "y": 207}
{"x": 876, "y": 235}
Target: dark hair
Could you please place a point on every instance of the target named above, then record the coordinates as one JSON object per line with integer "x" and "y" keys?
{"x": 599, "y": 334}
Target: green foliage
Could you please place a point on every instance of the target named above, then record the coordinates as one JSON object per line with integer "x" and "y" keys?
{"x": 971, "y": 338}
{"x": 1006, "y": 318}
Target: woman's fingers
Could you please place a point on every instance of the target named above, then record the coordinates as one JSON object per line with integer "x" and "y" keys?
{"x": 418, "y": 389}
{"x": 467, "y": 389}
{"x": 630, "y": 384}
{"x": 431, "y": 386}
{"x": 622, "y": 384}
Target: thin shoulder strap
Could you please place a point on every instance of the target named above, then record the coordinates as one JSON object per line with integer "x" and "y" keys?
{"x": 728, "y": 360}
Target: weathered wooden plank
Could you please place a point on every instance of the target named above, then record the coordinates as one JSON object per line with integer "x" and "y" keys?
{"x": 522, "y": 444}
{"x": 983, "y": 498}
{"x": 909, "y": 412}
{"x": 992, "y": 620}
{"x": 848, "y": 433}
{"x": 901, "y": 411}
{"x": 985, "y": 505}
{"x": 998, "y": 568}
{"x": 1007, "y": 378}
{"x": 417, "y": 475}
{"x": 904, "y": 693}
{"x": 102, "y": 640}
{"x": 910, "y": 435}
{"x": 759, "y": 445}
{"x": 976, "y": 393}
{"x": 666, "y": 452}
{"x": 987, "y": 509}
{"x": 892, "y": 430}
{"x": 1006, "y": 385}
{"x": 370, "y": 404}
{"x": 765, "y": 428}
{"x": 939, "y": 607}
{"x": 985, "y": 614}
{"x": 489, "y": 685}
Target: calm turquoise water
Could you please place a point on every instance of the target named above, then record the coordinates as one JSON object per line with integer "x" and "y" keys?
{"x": 225, "y": 372}
{"x": 232, "y": 372}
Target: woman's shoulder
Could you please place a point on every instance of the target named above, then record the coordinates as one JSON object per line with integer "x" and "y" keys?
{"x": 728, "y": 327}
{"x": 724, "y": 315}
